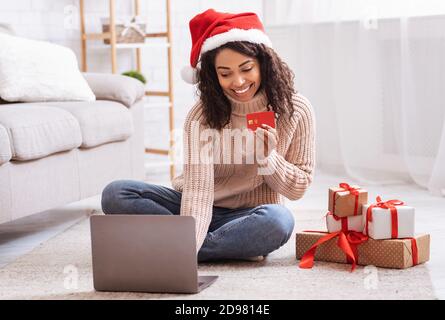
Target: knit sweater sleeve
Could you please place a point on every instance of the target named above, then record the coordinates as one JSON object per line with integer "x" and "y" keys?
{"x": 198, "y": 189}
{"x": 292, "y": 174}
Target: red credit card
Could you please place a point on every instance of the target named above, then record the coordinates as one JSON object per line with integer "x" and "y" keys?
{"x": 256, "y": 119}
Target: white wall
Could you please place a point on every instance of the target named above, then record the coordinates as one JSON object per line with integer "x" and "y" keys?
{"x": 57, "y": 21}
{"x": 279, "y": 12}
{"x": 376, "y": 91}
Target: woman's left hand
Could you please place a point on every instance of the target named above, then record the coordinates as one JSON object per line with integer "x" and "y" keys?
{"x": 269, "y": 137}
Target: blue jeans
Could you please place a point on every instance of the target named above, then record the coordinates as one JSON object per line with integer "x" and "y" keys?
{"x": 233, "y": 233}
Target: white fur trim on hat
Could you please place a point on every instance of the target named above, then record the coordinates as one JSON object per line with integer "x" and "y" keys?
{"x": 189, "y": 74}
{"x": 235, "y": 34}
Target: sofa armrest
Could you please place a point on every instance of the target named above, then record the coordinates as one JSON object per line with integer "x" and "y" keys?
{"x": 123, "y": 89}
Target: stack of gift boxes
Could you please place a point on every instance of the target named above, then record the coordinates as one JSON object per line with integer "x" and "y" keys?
{"x": 358, "y": 232}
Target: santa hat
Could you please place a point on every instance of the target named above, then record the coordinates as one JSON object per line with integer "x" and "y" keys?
{"x": 212, "y": 29}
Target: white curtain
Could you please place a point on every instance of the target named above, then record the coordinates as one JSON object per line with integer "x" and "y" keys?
{"x": 375, "y": 74}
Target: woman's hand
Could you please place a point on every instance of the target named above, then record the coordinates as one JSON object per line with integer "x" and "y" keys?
{"x": 268, "y": 137}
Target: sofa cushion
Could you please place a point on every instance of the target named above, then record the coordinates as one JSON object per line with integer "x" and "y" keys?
{"x": 34, "y": 70}
{"x": 5, "y": 147}
{"x": 100, "y": 121}
{"x": 115, "y": 87}
{"x": 36, "y": 131}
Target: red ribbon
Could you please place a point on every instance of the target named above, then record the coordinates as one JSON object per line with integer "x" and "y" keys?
{"x": 414, "y": 251}
{"x": 353, "y": 191}
{"x": 347, "y": 242}
{"x": 344, "y": 221}
{"x": 391, "y": 205}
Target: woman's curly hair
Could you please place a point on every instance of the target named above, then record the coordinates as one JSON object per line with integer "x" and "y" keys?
{"x": 277, "y": 80}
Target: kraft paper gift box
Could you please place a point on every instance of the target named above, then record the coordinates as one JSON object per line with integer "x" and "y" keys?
{"x": 346, "y": 200}
{"x": 393, "y": 253}
{"x": 352, "y": 223}
{"x": 385, "y": 224}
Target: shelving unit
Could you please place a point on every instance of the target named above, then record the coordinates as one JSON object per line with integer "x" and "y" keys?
{"x": 137, "y": 46}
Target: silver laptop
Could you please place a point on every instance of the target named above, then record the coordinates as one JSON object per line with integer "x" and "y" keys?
{"x": 145, "y": 253}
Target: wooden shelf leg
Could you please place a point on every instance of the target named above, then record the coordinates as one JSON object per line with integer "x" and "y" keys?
{"x": 170, "y": 89}
{"x": 113, "y": 36}
{"x": 137, "y": 11}
{"x": 83, "y": 37}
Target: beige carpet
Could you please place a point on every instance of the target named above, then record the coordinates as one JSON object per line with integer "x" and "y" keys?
{"x": 47, "y": 271}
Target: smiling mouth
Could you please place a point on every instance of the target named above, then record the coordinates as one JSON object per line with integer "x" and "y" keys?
{"x": 240, "y": 92}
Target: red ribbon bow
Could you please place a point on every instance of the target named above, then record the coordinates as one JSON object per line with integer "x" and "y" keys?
{"x": 391, "y": 205}
{"x": 352, "y": 190}
{"x": 347, "y": 242}
{"x": 347, "y": 187}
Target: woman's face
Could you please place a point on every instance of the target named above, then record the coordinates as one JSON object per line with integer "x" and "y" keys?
{"x": 239, "y": 75}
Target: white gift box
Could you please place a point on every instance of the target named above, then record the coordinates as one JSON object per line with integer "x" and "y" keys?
{"x": 381, "y": 225}
{"x": 355, "y": 223}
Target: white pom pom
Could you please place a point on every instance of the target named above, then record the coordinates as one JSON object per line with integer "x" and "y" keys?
{"x": 189, "y": 75}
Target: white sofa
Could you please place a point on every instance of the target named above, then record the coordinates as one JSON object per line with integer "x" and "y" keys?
{"x": 54, "y": 153}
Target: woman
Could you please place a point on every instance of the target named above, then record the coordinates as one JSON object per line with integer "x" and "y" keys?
{"x": 233, "y": 190}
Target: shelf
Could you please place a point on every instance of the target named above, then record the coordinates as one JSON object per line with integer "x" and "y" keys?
{"x": 130, "y": 45}
{"x": 157, "y": 104}
{"x": 107, "y": 35}
{"x": 155, "y": 42}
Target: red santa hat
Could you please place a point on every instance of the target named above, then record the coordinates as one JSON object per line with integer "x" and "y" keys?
{"x": 212, "y": 29}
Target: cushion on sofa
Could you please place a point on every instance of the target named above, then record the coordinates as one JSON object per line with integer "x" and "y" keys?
{"x": 114, "y": 87}
{"x": 5, "y": 147}
{"x": 32, "y": 71}
{"x": 36, "y": 131}
{"x": 100, "y": 121}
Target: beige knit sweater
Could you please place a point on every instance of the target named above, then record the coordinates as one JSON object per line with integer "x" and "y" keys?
{"x": 214, "y": 176}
